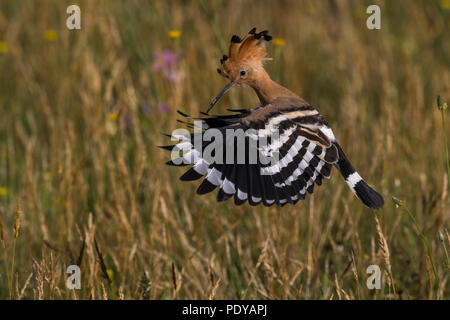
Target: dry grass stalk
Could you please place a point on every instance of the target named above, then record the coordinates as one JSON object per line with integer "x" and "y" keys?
{"x": 13, "y": 254}
{"x": 214, "y": 290}
{"x": 444, "y": 188}
{"x": 121, "y": 293}
{"x": 105, "y": 294}
{"x": 338, "y": 288}
{"x": 430, "y": 279}
{"x": 17, "y": 220}
{"x": 40, "y": 279}
{"x": 385, "y": 252}
{"x": 25, "y": 286}
{"x": 2, "y": 234}
{"x": 347, "y": 297}
{"x": 80, "y": 256}
{"x": 176, "y": 281}
{"x": 261, "y": 259}
{"x": 355, "y": 274}
{"x": 102, "y": 263}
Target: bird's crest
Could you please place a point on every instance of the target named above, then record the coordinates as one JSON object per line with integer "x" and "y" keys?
{"x": 250, "y": 49}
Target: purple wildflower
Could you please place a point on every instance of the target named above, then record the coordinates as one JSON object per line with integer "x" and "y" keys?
{"x": 128, "y": 120}
{"x": 166, "y": 62}
{"x": 163, "y": 108}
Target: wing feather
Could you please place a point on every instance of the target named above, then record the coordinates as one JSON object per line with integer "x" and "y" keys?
{"x": 303, "y": 155}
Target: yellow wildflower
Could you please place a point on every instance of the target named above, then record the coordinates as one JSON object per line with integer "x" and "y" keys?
{"x": 60, "y": 169}
{"x": 50, "y": 35}
{"x": 278, "y": 42}
{"x": 174, "y": 34}
{"x": 3, "y": 47}
{"x": 3, "y": 191}
{"x": 445, "y": 4}
{"x": 112, "y": 117}
{"x": 110, "y": 273}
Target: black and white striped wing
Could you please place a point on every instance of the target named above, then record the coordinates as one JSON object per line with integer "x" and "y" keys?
{"x": 304, "y": 157}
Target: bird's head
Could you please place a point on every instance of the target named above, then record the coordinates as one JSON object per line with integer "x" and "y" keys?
{"x": 244, "y": 63}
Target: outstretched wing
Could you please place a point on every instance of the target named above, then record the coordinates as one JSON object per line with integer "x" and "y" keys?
{"x": 300, "y": 155}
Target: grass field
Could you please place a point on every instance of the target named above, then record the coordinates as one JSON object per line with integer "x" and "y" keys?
{"x": 83, "y": 182}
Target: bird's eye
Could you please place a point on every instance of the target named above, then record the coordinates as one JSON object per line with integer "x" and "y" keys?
{"x": 243, "y": 73}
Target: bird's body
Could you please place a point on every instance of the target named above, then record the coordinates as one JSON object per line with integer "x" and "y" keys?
{"x": 304, "y": 144}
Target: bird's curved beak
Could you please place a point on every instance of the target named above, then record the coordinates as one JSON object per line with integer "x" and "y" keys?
{"x": 221, "y": 93}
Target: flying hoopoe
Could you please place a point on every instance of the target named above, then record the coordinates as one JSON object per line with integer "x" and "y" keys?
{"x": 306, "y": 146}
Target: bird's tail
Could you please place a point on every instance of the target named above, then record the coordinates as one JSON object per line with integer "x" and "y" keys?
{"x": 363, "y": 191}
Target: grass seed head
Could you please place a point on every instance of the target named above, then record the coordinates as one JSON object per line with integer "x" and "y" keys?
{"x": 17, "y": 220}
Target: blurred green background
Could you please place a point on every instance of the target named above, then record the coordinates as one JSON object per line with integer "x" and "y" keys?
{"x": 82, "y": 113}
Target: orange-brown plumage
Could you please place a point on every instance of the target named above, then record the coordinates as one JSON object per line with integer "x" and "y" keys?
{"x": 244, "y": 54}
{"x": 244, "y": 66}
